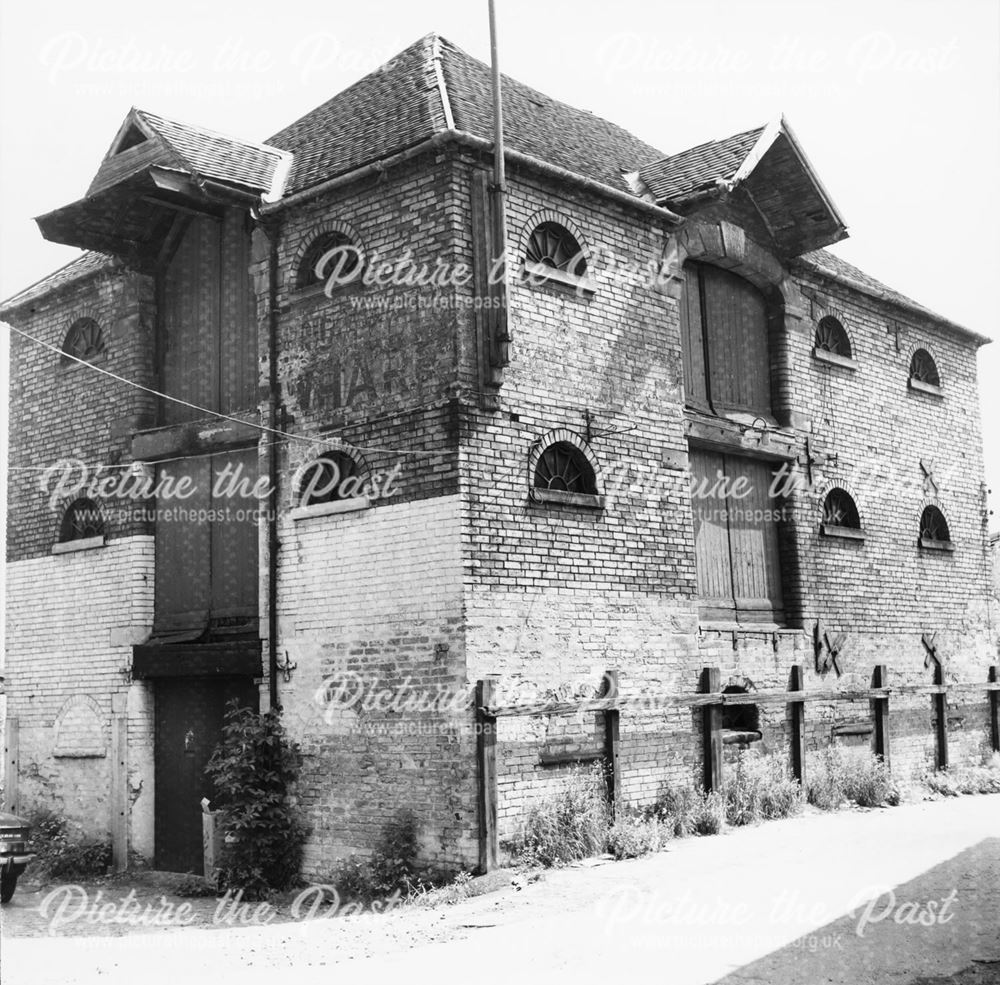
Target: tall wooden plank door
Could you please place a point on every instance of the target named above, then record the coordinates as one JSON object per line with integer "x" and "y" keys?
{"x": 693, "y": 341}
{"x": 753, "y": 536}
{"x": 711, "y": 535}
{"x": 188, "y": 725}
{"x": 238, "y": 367}
{"x": 735, "y": 319}
{"x": 234, "y": 541}
{"x": 191, "y": 309}
{"x": 183, "y": 546}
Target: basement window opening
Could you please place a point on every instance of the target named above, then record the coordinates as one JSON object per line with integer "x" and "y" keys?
{"x": 740, "y": 723}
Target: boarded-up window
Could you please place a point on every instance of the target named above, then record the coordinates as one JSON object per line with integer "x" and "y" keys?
{"x": 206, "y": 544}
{"x": 724, "y": 341}
{"x": 736, "y": 538}
{"x": 208, "y": 332}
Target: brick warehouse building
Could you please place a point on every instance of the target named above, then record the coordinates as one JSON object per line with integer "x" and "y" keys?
{"x": 525, "y": 511}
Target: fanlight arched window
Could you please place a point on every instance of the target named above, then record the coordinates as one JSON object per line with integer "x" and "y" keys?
{"x": 552, "y": 245}
{"x": 333, "y": 477}
{"x": 562, "y": 467}
{"x": 933, "y": 527}
{"x": 832, "y": 337}
{"x": 83, "y": 519}
{"x": 923, "y": 369}
{"x": 839, "y": 510}
{"x": 329, "y": 253}
{"x": 84, "y": 340}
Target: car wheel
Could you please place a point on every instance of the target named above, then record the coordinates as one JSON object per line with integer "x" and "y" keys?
{"x": 8, "y": 883}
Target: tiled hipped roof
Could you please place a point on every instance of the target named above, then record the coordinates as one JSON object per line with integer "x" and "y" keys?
{"x": 427, "y": 87}
{"x": 677, "y": 176}
{"x": 215, "y": 155}
{"x": 402, "y": 104}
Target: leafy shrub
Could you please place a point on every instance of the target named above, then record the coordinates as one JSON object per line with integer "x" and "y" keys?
{"x": 391, "y": 868}
{"x": 760, "y": 789}
{"x": 569, "y": 825}
{"x": 633, "y": 835}
{"x": 61, "y": 855}
{"x": 839, "y": 777}
{"x": 709, "y": 813}
{"x": 253, "y": 768}
{"x": 685, "y": 811}
{"x": 958, "y": 780}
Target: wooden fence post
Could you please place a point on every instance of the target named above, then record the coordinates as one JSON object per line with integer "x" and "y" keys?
{"x": 486, "y": 756}
{"x": 119, "y": 792}
{"x": 11, "y": 765}
{"x": 798, "y": 727}
{"x": 880, "y": 678}
{"x": 612, "y": 739}
{"x": 941, "y": 710}
{"x": 994, "y": 704}
{"x": 711, "y": 683}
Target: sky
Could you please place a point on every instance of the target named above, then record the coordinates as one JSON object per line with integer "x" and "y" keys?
{"x": 897, "y": 105}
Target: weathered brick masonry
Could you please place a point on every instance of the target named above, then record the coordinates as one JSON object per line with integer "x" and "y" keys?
{"x": 460, "y": 571}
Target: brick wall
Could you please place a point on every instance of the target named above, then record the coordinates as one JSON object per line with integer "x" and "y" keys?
{"x": 71, "y": 620}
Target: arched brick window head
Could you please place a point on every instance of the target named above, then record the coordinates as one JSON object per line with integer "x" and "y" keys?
{"x": 552, "y": 245}
{"x": 923, "y": 369}
{"x": 832, "y": 337}
{"x": 330, "y": 253}
{"x": 82, "y": 519}
{"x": 84, "y": 340}
{"x": 933, "y": 526}
{"x": 839, "y": 510}
{"x": 564, "y": 468}
{"x": 329, "y": 479}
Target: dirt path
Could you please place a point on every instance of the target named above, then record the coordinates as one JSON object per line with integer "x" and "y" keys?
{"x": 763, "y": 905}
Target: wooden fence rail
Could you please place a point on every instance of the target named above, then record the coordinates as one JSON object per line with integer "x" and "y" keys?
{"x": 711, "y": 699}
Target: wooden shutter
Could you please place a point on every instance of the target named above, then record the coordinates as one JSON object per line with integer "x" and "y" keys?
{"x": 736, "y": 539}
{"x": 208, "y": 321}
{"x": 238, "y": 342}
{"x": 190, "y": 322}
{"x": 693, "y": 340}
{"x": 753, "y": 539}
{"x": 735, "y": 323}
{"x": 711, "y": 537}
{"x": 234, "y": 554}
{"x": 183, "y": 550}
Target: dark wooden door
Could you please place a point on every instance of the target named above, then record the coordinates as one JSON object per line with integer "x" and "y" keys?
{"x": 189, "y": 715}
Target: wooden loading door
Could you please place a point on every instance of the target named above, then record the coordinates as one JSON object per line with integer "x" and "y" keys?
{"x": 189, "y": 717}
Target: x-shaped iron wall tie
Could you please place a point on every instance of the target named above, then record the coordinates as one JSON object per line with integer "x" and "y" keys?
{"x": 930, "y": 645}
{"x": 829, "y": 649}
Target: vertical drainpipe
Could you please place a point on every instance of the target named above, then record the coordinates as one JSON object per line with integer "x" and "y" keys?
{"x": 500, "y": 341}
{"x": 276, "y": 423}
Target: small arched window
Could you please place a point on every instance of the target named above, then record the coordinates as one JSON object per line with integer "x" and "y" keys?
{"x": 832, "y": 337}
{"x": 329, "y": 254}
{"x": 934, "y": 530}
{"x": 923, "y": 370}
{"x": 331, "y": 478}
{"x": 839, "y": 510}
{"x": 84, "y": 340}
{"x": 83, "y": 519}
{"x": 553, "y": 245}
{"x": 562, "y": 467}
